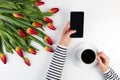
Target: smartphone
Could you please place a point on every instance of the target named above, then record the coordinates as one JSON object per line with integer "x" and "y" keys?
{"x": 77, "y": 23}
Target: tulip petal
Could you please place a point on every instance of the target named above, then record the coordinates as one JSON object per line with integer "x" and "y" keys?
{"x": 37, "y": 24}
{"x": 53, "y": 10}
{"x": 47, "y": 20}
{"x": 51, "y": 26}
{"x": 18, "y": 15}
{"x": 31, "y": 31}
{"x": 19, "y": 51}
{"x": 3, "y": 58}
{"x": 49, "y": 49}
{"x": 22, "y": 33}
{"x": 32, "y": 51}
{"x": 26, "y": 61}
{"x": 39, "y": 3}
{"x": 48, "y": 40}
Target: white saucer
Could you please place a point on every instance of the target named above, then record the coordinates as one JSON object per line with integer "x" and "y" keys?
{"x": 77, "y": 54}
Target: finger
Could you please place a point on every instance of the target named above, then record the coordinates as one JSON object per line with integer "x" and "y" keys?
{"x": 104, "y": 58}
{"x": 103, "y": 55}
{"x": 100, "y": 61}
{"x": 67, "y": 27}
{"x": 100, "y": 53}
{"x": 71, "y": 32}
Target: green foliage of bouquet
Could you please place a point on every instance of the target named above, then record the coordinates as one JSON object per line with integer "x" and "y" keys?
{"x": 19, "y": 21}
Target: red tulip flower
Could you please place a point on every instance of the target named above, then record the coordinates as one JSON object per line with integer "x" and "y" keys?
{"x": 51, "y": 26}
{"x": 37, "y": 24}
{"x": 49, "y": 49}
{"x": 39, "y": 3}
{"x": 32, "y": 31}
{"x": 47, "y": 20}
{"x": 53, "y": 10}
{"x": 19, "y": 51}
{"x": 32, "y": 51}
{"x": 22, "y": 33}
{"x": 48, "y": 40}
{"x": 26, "y": 61}
{"x": 18, "y": 15}
{"x": 3, "y": 58}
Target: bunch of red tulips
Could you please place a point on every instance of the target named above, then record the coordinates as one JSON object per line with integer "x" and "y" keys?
{"x": 20, "y": 21}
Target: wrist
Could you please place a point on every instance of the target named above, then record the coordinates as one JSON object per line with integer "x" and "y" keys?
{"x": 106, "y": 71}
{"x": 63, "y": 46}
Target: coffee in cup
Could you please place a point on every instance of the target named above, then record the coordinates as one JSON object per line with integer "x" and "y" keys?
{"x": 88, "y": 56}
{"x": 84, "y": 54}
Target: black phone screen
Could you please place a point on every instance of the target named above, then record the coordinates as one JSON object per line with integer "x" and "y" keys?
{"x": 77, "y": 23}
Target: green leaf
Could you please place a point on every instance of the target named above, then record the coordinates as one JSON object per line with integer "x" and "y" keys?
{"x": 20, "y": 40}
{"x": 6, "y": 40}
{"x": 8, "y": 45}
{"x": 38, "y": 20}
{"x": 40, "y": 33}
{"x": 12, "y": 27}
{"x": 23, "y": 3}
{"x": 26, "y": 11}
{"x": 14, "y": 38}
{"x": 32, "y": 8}
{"x": 1, "y": 24}
{"x": 4, "y": 10}
{"x": 11, "y": 4}
{"x": 5, "y": 29}
{"x": 32, "y": 0}
{"x": 12, "y": 21}
{"x": 3, "y": 5}
{"x": 17, "y": 40}
{"x": 28, "y": 40}
{"x": 8, "y": 49}
{"x": 24, "y": 22}
{"x": 1, "y": 1}
{"x": 8, "y": 5}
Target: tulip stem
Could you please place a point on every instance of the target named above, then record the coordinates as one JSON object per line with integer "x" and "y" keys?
{"x": 12, "y": 27}
{"x": 23, "y": 22}
{"x": 40, "y": 33}
{"x": 36, "y": 40}
{"x": 1, "y": 45}
{"x": 6, "y": 41}
{"x": 47, "y": 14}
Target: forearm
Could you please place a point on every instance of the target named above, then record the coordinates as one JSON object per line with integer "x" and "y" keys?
{"x": 111, "y": 75}
{"x": 57, "y": 64}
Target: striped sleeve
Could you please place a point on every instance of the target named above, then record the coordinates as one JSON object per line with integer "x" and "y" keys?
{"x": 57, "y": 64}
{"x": 111, "y": 75}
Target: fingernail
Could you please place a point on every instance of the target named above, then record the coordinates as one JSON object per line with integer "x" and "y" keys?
{"x": 75, "y": 31}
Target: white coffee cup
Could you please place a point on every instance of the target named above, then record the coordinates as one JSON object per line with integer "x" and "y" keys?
{"x": 80, "y": 50}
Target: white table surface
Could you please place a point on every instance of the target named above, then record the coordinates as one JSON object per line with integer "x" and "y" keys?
{"x": 102, "y": 28}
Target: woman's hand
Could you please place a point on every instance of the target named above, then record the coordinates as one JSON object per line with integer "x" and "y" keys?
{"x": 103, "y": 62}
{"x": 65, "y": 38}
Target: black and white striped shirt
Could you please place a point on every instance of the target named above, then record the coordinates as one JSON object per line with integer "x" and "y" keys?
{"x": 58, "y": 61}
{"x": 111, "y": 75}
